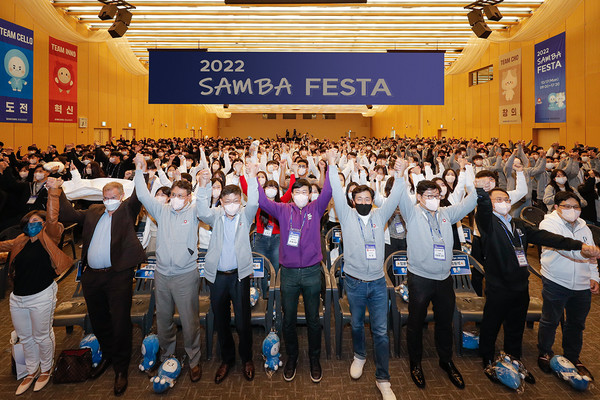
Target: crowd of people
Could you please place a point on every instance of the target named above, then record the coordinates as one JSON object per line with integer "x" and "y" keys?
{"x": 189, "y": 196}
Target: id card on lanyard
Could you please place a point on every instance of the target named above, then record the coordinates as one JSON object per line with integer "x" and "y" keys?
{"x": 294, "y": 235}
{"x": 34, "y": 195}
{"x": 370, "y": 248}
{"x": 268, "y": 230}
{"x": 519, "y": 250}
{"x": 439, "y": 248}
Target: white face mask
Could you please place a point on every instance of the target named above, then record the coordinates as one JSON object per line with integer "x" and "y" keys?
{"x": 262, "y": 181}
{"x": 450, "y": 178}
{"x": 270, "y": 168}
{"x": 412, "y": 164}
{"x": 86, "y": 162}
{"x": 170, "y": 174}
{"x": 38, "y": 176}
{"x": 314, "y": 196}
{"x": 24, "y": 174}
{"x": 270, "y": 192}
{"x": 231, "y": 208}
{"x": 301, "y": 200}
{"x": 550, "y": 165}
{"x": 570, "y": 215}
{"x": 177, "y": 203}
{"x": 585, "y": 159}
{"x": 88, "y": 171}
{"x": 112, "y": 204}
{"x": 113, "y": 160}
{"x": 443, "y": 191}
{"x": 301, "y": 171}
{"x": 147, "y": 158}
{"x": 432, "y": 204}
{"x": 216, "y": 193}
{"x": 479, "y": 163}
{"x": 161, "y": 199}
{"x": 502, "y": 208}
{"x": 561, "y": 180}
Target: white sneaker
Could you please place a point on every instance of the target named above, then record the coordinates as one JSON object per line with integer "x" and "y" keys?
{"x": 356, "y": 369}
{"x": 386, "y": 390}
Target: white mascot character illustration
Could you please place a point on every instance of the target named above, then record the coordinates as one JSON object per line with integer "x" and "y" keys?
{"x": 509, "y": 83}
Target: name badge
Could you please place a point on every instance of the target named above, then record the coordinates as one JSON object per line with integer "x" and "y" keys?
{"x": 399, "y": 227}
{"x": 32, "y": 200}
{"x": 268, "y": 231}
{"x": 293, "y": 238}
{"x": 521, "y": 257}
{"x": 439, "y": 252}
{"x": 370, "y": 251}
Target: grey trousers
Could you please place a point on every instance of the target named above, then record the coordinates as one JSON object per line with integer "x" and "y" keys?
{"x": 179, "y": 291}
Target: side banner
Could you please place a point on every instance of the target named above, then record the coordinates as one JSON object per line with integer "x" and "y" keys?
{"x": 63, "y": 81}
{"x": 16, "y": 77}
{"x": 510, "y": 87}
{"x": 550, "y": 85}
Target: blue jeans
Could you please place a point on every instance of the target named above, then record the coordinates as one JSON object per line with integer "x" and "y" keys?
{"x": 373, "y": 295}
{"x": 577, "y": 304}
{"x": 268, "y": 247}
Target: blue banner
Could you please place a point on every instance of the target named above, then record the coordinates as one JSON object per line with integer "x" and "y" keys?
{"x": 550, "y": 86}
{"x": 199, "y": 77}
{"x": 16, "y": 78}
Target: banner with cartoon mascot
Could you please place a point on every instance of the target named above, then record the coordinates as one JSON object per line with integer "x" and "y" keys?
{"x": 550, "y": 86}
{"x": 510, "y": 87}
{"x": 16, "y": 77}
{"x": 63, "y": 81}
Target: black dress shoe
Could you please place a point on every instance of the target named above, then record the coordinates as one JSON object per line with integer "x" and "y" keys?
{"x": 120, "y": 383}
{"x": 582, "y": 370}
{"x": 544, "y": 363}
{"x": 222, "y": 373}
{"x": 289, "y": 370}
{"x": 100, "y": 368}
{"x": 316, "y": 373}
{"x": 248, "y": 370}
{"x": 416, "y": 373}
{"x": 488, "y": 370}
{"x": 455, "y": 376}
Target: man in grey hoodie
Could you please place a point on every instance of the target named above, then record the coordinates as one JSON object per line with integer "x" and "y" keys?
{"x": 176, "y": 278}
{"x": 364, "y": 282}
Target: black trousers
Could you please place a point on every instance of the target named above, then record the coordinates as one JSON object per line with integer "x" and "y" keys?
{"x": 423, "y": 291}
{"x": 108, "y": 299}
{"x": 227, "y": 290}
{"x": 508, "y": 308}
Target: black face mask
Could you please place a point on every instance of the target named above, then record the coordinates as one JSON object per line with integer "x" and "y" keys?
{"x": 363, "y": 209}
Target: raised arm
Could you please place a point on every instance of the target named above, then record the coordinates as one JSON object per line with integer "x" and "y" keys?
{"x": 252, "y": 193}
{"x": 53, "y": 228}
{"x": 206, "y": 214}
{"x": 339, "y": 198}
{"x": 390, "y": 205}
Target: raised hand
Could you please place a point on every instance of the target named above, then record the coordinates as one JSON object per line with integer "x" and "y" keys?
{"x": 204, "y": 177}
{"x": 252, "y": 170}
{"x": 331, "y": 156}
{"x": 54, "y": 183}
{"x": 400, "y": 166}
{"x": 139, "y": 161}
{"x": 590, "y": 251}
{"x": 518, "y": 167}
{"x": 157, "y": 163}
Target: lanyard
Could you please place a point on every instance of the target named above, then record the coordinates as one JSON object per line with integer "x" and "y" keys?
{"x": 33, "y": 191}
{"x": 360, "y": 223}
{"x": 303, "y": 221}
{"x": 438, "y": 231}
{"x": 509, "y": 236}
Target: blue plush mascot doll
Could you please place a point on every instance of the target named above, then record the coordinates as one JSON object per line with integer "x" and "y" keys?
{"x": 167, "y": 374}
{"x": 270, "y": 349}
{"x": 91, "y": 342}
{"x": 149, "y": 351}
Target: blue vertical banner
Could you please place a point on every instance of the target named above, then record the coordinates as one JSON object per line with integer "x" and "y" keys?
{"x": 16, "y": 77}
{"x": 550, "y": 85}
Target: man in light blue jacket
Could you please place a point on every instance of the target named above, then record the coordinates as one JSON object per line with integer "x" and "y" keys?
{"x": 430, "y": 242}
{"x": 229, "y": 265}
{"x": 176, "y": 277}
{"x": 363, "y": 231}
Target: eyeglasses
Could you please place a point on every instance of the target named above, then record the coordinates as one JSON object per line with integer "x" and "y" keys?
{"x": 179, "y": 196}
{"x": 431, "y": 196}
{"x": 569, "y": 207}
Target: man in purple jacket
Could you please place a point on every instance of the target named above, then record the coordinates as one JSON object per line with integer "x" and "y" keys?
{"x": 300, "y": 258}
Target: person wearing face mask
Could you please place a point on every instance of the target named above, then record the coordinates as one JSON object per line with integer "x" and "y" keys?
{"x": 430, "y": 242}
{"x": 559, "y": 183}
{"x": 149, "y": 236}
{"x": 114, "y": 165}
{"x": 38, "y": 193}
{"x": 111, "y": 251}
{"x": 204, "y": 230}
{"x": 568, "y": 282}
{"x": 504, "y": 242}
{"x": 36, "y": 260}
{"x": 300, "y": 268}
{"x": 233, "y": 177}
{"x": 267, "y": 227}
{"x": 176, "y": 278}
{"x": 228, "y": 267}
{"x": 365, "y": 283}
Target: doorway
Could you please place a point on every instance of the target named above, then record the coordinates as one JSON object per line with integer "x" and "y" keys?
{"x": 102, "y": 135}
{"x": 128, "y": 134}
{"x": 546, "y": 136}
{"x": 442, "y": 133}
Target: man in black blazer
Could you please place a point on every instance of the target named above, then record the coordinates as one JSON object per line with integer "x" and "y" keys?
{"x": 111, "y": 251}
